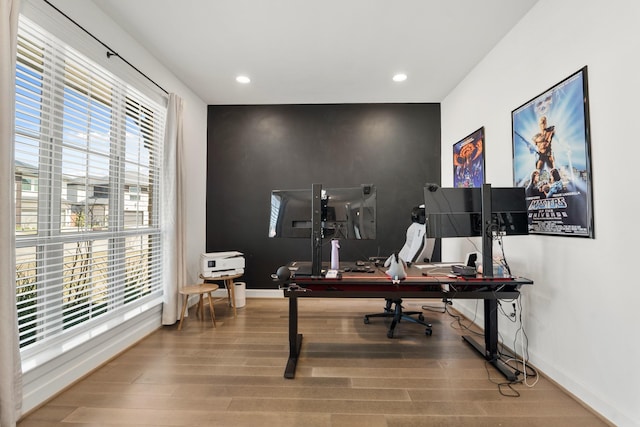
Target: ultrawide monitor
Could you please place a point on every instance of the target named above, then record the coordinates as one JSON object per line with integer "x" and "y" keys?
{"x": 346, "y": 213}
{"x": 457, "y": 212}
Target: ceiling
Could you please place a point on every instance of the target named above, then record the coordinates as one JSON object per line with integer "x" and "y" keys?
{"x": 329, "y": 51}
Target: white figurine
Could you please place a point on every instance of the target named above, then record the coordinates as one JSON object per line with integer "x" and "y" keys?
{"x": 396, "y": 268}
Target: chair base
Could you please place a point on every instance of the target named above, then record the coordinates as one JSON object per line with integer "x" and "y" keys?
{"x": 393, "y": 309}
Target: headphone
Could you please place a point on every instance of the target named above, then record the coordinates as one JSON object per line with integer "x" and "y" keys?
{"x": 418, "y": 215}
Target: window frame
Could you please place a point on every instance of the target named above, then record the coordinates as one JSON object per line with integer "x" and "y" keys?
{"x": 53, "y": 335}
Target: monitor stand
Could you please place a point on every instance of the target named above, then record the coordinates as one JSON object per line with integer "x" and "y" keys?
{"x": 490, "y": 349}
{"x": 316, "y": 230}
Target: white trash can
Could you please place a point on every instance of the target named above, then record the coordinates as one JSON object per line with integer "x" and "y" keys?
{"x": 240, "y": 289}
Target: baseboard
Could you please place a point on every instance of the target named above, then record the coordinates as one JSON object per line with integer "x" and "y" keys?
{"x": 43, "y": 382}
{"x": 253, "y": 293}
{"x": 467, "y": 314}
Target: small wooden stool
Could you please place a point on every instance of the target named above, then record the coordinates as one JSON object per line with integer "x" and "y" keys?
{"x": 201, "y": 289}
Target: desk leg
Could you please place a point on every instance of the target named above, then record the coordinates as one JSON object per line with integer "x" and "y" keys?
{"x": 295, "y": 339}
{"x": 490, "y": 350}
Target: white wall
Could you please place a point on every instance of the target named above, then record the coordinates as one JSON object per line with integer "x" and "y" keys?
{"x": 578, "y": 315}
{"x": 45, "y": 381}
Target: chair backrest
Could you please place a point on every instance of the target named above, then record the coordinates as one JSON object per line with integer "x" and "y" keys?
{"x": 417, "y": 247}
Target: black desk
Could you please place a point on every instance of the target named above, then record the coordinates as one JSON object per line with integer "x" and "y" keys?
{"x": 416, "y": 285}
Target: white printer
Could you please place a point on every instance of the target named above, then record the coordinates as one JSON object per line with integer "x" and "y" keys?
{"x": 216, "y": 264}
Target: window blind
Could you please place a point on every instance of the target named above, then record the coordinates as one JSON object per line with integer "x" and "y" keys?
{"x": 88, "y": 150}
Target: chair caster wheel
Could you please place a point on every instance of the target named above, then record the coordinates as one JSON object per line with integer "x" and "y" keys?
{"x": 366, "y": 320}
{"x": 428, "y": 332}
{"x": 421, "y": 318}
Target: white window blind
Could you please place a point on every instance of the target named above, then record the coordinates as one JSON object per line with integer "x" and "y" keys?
{"x": 87, "y": 161}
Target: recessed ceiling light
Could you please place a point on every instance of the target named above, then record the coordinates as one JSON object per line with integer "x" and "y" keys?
{"x": 243, "y": 79}
{"x": 399, "y": 77}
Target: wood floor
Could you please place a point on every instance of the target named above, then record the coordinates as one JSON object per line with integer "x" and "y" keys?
{"x": 350, "y": 374}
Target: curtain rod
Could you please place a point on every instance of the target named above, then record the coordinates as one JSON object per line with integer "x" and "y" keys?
{"x": 110, "y": 52}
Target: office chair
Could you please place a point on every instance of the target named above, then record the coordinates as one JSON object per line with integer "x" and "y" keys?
{"x": 417, "y": 248}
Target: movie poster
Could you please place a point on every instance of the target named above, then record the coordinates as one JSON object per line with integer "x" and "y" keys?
{"x": 468, "y": 160}
{"x": 551, "y": 159}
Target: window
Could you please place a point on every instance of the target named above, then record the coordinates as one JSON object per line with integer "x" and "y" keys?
{"x": 134, "y": 193}
{"x": 86, "y": 251}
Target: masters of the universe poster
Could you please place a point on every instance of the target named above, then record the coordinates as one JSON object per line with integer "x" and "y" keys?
{"x": 551, "y": 159}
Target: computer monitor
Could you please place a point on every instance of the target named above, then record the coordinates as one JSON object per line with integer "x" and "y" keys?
{"x": 349, "y": 213}
{"x": 346, "y": 213}
{"x": 317, "y": 214}
{"x": 468, "y": 212}
{"x": 290, "y": 214}
{"x": 457, "y": 212}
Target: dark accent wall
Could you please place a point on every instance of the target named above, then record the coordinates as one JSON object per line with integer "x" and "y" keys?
{"x": 253, "y": 149}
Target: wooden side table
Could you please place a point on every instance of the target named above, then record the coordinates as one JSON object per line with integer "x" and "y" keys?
{"x": 228, "y": 283}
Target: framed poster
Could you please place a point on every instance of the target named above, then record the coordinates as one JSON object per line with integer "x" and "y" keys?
{"x": 468, "y": 160}
{"x": 552, "y": 158}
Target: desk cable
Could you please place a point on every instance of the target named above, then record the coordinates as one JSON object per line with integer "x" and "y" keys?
{"x": 519, "y": 364}
{"x": 458, "y": 319}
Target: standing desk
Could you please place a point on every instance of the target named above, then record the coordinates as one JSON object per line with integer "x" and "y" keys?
{"x": 377, "y": 284}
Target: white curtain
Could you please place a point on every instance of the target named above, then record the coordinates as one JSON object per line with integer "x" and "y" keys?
{"x": 175, "y": 272}
{"x": 10, "y": 364}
